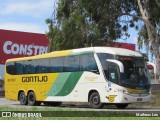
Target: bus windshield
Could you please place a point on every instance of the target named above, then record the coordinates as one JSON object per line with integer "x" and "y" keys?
{"x": 135, "y": 73}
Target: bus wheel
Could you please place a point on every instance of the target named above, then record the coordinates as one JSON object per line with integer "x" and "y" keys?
{"x": 31, "y": 99}
{"x": 23, "y": 98}
{"x": 94, "y": 100}
{"x": 121, "y": 106}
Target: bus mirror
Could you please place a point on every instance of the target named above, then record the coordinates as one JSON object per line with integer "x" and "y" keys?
{"x": 120, "y": 65}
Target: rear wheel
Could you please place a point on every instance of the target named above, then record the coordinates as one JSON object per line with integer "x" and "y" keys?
{"x": 23, "y": 98}
{"x": 95, "y": 101}
{"x": 31, "y": 99}
{"x": 121, "y": 106}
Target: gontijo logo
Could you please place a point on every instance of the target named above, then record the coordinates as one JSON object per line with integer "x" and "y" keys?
{"x": 13, "y": 48}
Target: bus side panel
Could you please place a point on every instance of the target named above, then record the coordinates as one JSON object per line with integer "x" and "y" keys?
{"x": 13, "y": 85}
{"x": 86, "y": 82}
{"x": 42, "y": 88}
{"x": 10, "y": 91}
{"x": 63, "y": 86}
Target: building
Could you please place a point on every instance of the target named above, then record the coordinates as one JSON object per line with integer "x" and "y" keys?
{"x": 125, "y": 45}
{"x": 15, "y": 44}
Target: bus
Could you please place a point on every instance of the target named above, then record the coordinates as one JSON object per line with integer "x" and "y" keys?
{"x": 96, "y": 75}
{"x": 153, "y": 72}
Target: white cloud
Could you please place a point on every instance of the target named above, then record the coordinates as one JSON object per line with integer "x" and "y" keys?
{"x": 34, "y": 9}
{"x": 26, "y": 27}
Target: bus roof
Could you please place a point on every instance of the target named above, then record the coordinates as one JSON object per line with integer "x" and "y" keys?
{"x": 117, "y": 51}
{"x": 110, "y": 50}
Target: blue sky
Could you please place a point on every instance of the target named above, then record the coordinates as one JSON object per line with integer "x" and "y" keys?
{"x": 25, "y": 15}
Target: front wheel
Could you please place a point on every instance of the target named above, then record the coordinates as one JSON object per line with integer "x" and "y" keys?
{"x": 121, "y": 106}
{"x": 23, "y": 99}
{"x": 95, "y": 101}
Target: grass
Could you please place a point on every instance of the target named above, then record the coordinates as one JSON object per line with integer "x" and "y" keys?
{"x": 112, "y": 115}
{"x": 86, "y": 118}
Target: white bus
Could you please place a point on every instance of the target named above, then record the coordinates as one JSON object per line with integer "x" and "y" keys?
{"x": 153, "y": 72}
{"x": 97, "y": 75}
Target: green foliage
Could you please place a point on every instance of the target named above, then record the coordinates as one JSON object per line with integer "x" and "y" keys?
{"x": 84, "y": 23}
{"x": 152, "y": 8}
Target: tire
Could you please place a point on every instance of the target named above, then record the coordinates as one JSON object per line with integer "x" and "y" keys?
{"x": 94, "y": 100}
{"x": 22, "y": 98}
{"x": 32, "y": 99}
{"x": 121, "y": 106}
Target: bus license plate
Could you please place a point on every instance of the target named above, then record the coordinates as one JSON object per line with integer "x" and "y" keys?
{"x": 139, "y": 99}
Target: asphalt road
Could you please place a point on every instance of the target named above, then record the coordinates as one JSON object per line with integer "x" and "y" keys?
{"x": 15, "y": 104}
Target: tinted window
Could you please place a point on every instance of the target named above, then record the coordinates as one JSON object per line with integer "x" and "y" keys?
{"x": 139, "y": 63}
{"x": 88, "y": 63}
{"x": 72, "y": 63}
{"x": 56, "y": 64}
{"x": 18, "y": 68}
{"x": 113, "y": 72}
{"x": 128, "y": 68}
{"x": 29, "y": 66}
{"x": 42, "y": 66}
{"x": 10, "y": 68}
{"x": 102, "y": 57}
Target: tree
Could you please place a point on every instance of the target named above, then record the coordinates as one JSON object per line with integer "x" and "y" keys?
{"x": 149, "y": 33}
{"x": 82, "y": 23}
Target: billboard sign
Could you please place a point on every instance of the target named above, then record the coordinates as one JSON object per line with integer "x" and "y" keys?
{"x": 124, "y": 45}
{"x": 15, "y": 44}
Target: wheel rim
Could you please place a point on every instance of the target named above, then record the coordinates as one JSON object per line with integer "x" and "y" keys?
{"x": 22, "y": 98}
{"x": 96, "y": 100}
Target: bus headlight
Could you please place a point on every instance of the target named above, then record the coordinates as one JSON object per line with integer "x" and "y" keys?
{"x": 123, "y": 91}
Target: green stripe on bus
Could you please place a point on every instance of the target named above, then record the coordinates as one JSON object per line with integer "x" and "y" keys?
{"x": 70, "y": 83}
{"x": 58, "y": 84}
{"x": 65, "y": 83}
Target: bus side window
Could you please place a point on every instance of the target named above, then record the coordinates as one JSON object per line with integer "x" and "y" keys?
{"x": 18, "y": 68}
{"x": 88, "y": 63}
{"x": 72, "y": 63}
{"x": 29, "y": 66}
{"x": 113, "y": 73}
{"x": 42, "y": 66}
{"x": 56, "y": 64}
{"x": 102, "y": 57}
{"x": 10, "y": 68}
{"x": 105, "y": 69}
